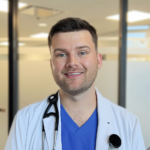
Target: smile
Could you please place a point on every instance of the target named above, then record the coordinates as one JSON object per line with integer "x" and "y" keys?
{"x": 73, "y": 75}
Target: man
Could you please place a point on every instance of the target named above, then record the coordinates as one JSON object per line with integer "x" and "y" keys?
{"x": 86, "y": 119}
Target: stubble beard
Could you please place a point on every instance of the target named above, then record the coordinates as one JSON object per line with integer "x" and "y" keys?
{"x": 84, "y": 86}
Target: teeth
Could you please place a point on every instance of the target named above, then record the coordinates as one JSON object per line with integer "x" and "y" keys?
{"x": 73, "y": 73}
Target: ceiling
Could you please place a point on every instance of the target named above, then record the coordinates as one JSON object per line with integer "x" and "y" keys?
{"x": 94, "y": 11}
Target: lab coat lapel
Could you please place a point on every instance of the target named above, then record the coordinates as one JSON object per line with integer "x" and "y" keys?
{"x": 49, "y": 125}
{"x": 104, "y": 129}
{"x": 105, "y": 123}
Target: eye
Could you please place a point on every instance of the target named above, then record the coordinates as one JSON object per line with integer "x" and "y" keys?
{"x": 83, "y": 53}
{"x": 61, "y": 55}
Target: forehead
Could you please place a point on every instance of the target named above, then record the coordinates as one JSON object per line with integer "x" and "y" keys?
{"x": 76, "y": 38}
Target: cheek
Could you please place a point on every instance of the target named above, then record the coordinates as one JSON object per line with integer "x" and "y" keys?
{"x": 87, "y": 63}
{"x": 57, "y": 66}
{"x": 90, "y": 63}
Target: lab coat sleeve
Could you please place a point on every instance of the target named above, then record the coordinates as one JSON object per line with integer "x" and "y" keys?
{"x": 138, "y": 142}
{"x": 17, "y": 136}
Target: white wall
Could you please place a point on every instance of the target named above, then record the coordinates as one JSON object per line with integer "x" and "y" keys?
{"x": 3, "y": 102}
{"x": 107, "y": 80}
{"x": 138, "y": 95}
{"x": 35, "y": 82}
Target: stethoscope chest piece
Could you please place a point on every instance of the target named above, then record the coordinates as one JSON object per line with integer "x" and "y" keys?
{"x": 114, "y": 142}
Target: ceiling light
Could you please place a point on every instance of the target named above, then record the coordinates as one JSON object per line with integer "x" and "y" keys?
{"x": 21, "y": 5}
{"x": 133, "y": 16}
{"x": 22, "y": 44}
{"x": 40, "y": 35}
{"x": 4, "y": 5}
{"x": 39, "y": 12}
{"x": 42, "y": 24}
{"x": 6, "y": 44}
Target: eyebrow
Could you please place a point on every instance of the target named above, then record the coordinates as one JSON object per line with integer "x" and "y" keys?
{"x": 59, "y": 49}
{"x": 81, "y": 47}
{"x": 78, "y": 47}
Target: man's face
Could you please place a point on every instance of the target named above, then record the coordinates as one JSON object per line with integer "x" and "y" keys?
{"x": 74, "y": 61}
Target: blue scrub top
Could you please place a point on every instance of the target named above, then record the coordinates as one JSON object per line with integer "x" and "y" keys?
{"x": 75, "y": 137}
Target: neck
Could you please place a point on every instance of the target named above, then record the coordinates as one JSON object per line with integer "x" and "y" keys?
{"x": 79, "y": 107}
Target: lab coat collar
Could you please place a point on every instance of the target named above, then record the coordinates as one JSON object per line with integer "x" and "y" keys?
{"x": 105, "y": 122}
{"x": 104, "y": 129}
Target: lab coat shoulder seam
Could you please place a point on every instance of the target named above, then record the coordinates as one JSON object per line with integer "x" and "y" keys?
{"x": 124, "y": 111}
{"x": 118, "y": 110}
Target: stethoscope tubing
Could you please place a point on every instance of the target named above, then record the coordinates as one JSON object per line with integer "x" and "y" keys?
{"x": 52, "y": 101}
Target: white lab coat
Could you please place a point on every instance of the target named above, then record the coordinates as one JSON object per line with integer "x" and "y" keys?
{"x": 26, "y": 131}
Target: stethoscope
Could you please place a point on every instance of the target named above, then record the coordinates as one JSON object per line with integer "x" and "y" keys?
{"x": 114, "y": 140}
{"x": 52, "y": 101}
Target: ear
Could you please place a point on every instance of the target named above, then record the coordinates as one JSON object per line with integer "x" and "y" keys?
{"x": 51, "y": 63}
{"x": 99, "y": 59}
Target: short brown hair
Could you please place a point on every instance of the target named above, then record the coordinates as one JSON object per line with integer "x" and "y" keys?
{"x": 70, "y": 25}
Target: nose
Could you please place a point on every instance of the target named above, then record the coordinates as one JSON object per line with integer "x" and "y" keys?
{"x": 72, "y": 61}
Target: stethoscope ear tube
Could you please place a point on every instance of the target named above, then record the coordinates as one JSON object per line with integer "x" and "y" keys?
{"x": 52, "y": 100}
{"x": 57, "y": 117}
{"x": 114, "y": 141}
{"x": 43, "y": 137}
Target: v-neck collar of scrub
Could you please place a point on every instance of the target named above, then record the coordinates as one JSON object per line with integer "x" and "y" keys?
{"x": 90, "y": 124}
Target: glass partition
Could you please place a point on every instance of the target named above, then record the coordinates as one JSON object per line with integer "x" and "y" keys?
{"x": 3, "y": 72}
{"x": 138, "y": 64}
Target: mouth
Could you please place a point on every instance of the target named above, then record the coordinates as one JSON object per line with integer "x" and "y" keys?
{"x": 73, "y": 75}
